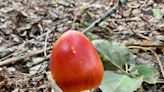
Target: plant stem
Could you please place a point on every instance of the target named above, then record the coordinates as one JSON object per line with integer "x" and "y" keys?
{"x": 119, "y": 4}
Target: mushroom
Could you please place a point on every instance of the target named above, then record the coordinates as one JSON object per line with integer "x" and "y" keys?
{"x": 75, "y": 65}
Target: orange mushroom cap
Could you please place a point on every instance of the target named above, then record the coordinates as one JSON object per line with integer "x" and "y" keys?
{"x": 75, "y": 64}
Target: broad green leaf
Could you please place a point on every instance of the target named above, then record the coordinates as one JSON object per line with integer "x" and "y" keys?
{"x": 149, "y": 73}
{"x": 157, "y": 13}
{"x": 115, "y": 52}
{"x": 107, "y": 65}
{"x": 113, "y": 82}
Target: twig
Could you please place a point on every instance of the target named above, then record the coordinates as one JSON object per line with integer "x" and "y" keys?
{"x": 126, "y": 67}
{"x": 139, "y": 47}
{"x": 126, "y": 19}
{"x": 17, "y": 51}
{"x": 140, "y": 35}
{"x": 45, "y": 48}
{"x": 153, "y": 44}
{"x": 160, "y": 81}
{"x": 159, "y": 62}
{"x": 16, "y": 59}
{"x": 107, "y": 14}
{"x": 45, "y": 45}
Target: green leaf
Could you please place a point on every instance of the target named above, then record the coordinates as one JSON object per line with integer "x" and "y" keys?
{"x": 113, "y": 82}
{"x": 132, "y": 60}
{"x": 117, "y": 53}
{"x": 157, "y": 13}
{"x": 35, "y": 69}
{"x": 107, "y": 65}
{"x": 149, "y": 73}
{"x": 91, "y": 38}
{"x": 34, "y": 61}
{"x": 55, "y": 1}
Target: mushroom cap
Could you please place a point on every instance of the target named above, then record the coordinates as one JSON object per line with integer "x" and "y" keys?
{"x": 75, "y": 64}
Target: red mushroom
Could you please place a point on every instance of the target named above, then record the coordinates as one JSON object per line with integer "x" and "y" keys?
{"x": 75, "y": 65}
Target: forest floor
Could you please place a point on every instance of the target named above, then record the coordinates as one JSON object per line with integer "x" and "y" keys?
{"x": 29, "y": 28}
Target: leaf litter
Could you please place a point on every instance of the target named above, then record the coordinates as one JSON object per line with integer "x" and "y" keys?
{"x": 24, "y": 25}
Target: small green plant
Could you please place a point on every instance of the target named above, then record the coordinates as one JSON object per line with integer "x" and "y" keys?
{"x": 119, "y": 79}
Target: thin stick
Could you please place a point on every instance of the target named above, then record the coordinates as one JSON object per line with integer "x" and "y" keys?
{"x": 45, "y": 49}
{"x": 107, "y": 14}
{"x": 16, "y": 59}
{"x": 153, "y": 44}
{"x": 159, "y": 62}
{"x": 45, "y": 45}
